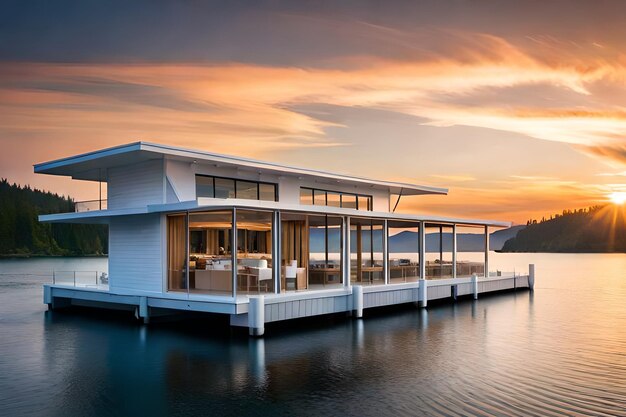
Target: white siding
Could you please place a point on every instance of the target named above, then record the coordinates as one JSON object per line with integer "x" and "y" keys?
{"x": 182, "y": 179}
{"x": 135, "y": 259}
{"x": 135, "y": 185}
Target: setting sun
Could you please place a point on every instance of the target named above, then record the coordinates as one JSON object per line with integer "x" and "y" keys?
{"x": 618, "y": 197}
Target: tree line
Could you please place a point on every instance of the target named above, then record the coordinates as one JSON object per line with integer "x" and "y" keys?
{"x": 21, "y": 233}
{"x": 600, "y": 228}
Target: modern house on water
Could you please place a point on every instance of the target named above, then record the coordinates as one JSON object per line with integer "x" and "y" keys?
{"x": 262, "y": 242}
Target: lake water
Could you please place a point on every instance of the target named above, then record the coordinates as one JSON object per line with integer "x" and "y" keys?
{"x": 560, "y": 350}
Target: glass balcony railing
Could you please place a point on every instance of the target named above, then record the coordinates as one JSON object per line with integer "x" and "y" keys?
{"x": 90, "y": 205}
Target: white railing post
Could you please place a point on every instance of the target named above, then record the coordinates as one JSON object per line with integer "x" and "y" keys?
{"x": 475, "y": 286}
{"x": 74, "y": 278}
{"x": 531, "y": 277}
{"x": 256, "y": 316}
{"x": 422, "y": 299}
{"x": 357, "y": 300}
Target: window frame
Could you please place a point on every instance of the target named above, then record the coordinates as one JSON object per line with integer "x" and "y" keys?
{"x": 235, "y": 181}
{"x": 368, "y": 198}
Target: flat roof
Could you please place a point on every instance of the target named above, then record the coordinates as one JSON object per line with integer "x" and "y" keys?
{"x": 92, "y": 166}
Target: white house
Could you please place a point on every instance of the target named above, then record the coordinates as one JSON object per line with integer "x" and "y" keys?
{"x": 262, "y": 242}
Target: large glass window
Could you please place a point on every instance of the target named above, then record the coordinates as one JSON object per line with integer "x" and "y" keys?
{"x": 217, "y": 187}
{"x": 248, "y": 190}
{"x": 254, "y": 252}
{"x": 365, "y": 203}
{"x": 319, "y": 197}
{"x": 325, "y": 252}
{"x": 310, "y": 196}
{"x": 205, "y": 186}
{"x": 470, "y": 251}
{"x": 294, "y": 246}
{"x": 306, "y": 196}
{"x": 348, "y": 201}
{"x": 224, "y": 188}
{"x": 177, "y": 252}
{"x": 438, "y": 251}
{"x": 404, "y": 247}
{"x": 267, "y": 192}
{"x": 210, "y": 252}
{"x": 366, "y": 251}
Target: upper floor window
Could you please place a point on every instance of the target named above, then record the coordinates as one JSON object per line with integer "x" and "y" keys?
{"x": 218, "y": 187}
{"x": 313, "y": 196}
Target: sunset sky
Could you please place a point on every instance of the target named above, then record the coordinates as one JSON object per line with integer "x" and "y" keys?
{"x": 518, "y": 107}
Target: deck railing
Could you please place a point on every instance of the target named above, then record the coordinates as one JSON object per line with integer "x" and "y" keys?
{"x": 90, "y": 279}
{"x": 90, "y": 205}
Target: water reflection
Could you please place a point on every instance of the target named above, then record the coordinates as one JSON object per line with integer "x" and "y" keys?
{"x": 557, "y": 351}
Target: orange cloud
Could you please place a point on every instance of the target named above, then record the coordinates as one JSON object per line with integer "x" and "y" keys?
{"x": 250, "y": 109}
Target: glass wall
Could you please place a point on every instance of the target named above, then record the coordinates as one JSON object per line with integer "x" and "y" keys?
{"x": 254, "y": 252}
{"x": 404, "y": 248}
{"x": 210, "y": 252}
{"x": 438, "y": 251}
{"x": 294, "y": 248}
{"x": 177, "y": 252}
{"x": 366, "y": 251}
{"x": 470, "y": 251}
{"x": 325, "y": 252}
{"x": 218, "y": 187}
{"x": 310, "y": 196}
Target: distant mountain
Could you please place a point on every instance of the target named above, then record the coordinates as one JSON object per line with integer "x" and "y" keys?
{"x": 408, "y": 241}
{"x": 597, "y": 229}
{"x": 21, "y": 234}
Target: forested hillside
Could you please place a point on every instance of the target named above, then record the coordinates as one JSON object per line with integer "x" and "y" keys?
{"x": 596, "y": 229}
{"x": 22, "y": 234}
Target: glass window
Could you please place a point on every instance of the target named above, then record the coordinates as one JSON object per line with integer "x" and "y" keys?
{"x": 306, "y": 196}
{"x": 254, "y": 252}
{"x": 247, "y": 190}
{"x": 438, "y": 251}
{"x": 348, "y": 201}
{"x": 204, "y": 186}
{"x": 267, "y": 192}
{"x": 365, "y": 203}
{"x": 404, "y": 248}
{"x": 325, "y": 253}
{"x": 366, "y": 251}
{"x": 470, "y": 251}
{"x": 319, "y": 197}
{"x": 216, "y": 187}
{"x": 210, "y": 257}
{"x": 333, "y": 199}
{"x": 224, "y": 188}
{"x": 177, "y": 252}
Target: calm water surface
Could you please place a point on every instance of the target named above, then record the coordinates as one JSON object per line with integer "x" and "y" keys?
{"x": 558, "y": 351}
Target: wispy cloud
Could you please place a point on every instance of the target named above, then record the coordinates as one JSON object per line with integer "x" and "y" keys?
{"x": 454, "y": 178}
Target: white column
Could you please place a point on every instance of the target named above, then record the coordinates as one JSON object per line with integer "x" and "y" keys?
{"x": 454, "y": 249}
{"x": 233, "y": 252}
{"x": 487, "y": 251}
{"x": 531, "y": 277}
{"x": 422, "y": 259}
{"x": 385, "y": 251}
{"x": 346, "y": 253}
{"x": 276, "y": 250}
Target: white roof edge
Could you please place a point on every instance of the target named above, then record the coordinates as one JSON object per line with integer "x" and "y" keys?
{"x": 192, "y": 153}
{"x": 219, "y": 204}
{"x": 128, "y": 147}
